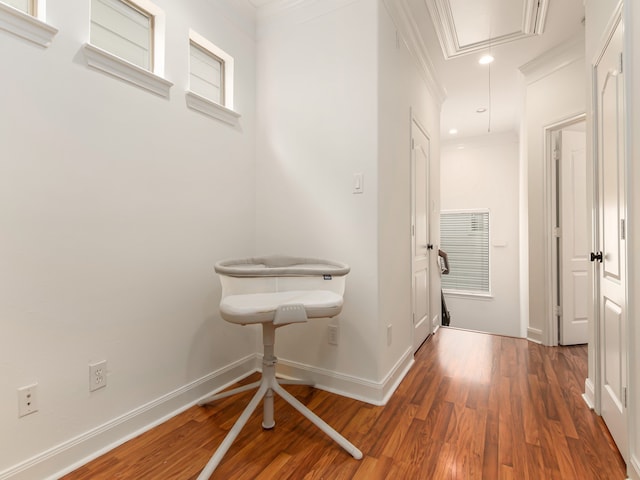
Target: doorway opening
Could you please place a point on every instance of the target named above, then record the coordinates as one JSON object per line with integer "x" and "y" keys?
{"x": 568, "y": 233}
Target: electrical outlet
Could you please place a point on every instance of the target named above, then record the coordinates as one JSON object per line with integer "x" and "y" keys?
{"x": 389, "y": 337}
{"x": 27, "y": 400}
{"x": 333, "y": 335}
{"x": 97, "y": 375}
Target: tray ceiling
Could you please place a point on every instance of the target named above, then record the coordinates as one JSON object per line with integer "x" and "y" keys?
{"x": 465, "y": 26}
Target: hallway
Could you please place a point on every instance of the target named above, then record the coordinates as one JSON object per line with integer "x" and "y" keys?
{"x": 474, "y": 406}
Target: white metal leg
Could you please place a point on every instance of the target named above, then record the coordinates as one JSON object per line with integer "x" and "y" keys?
{"x": 318, "y": 422}
{"x": 233, "y": 433}
{"x": 267, "y": 386}
{"x": 218, "y": 396}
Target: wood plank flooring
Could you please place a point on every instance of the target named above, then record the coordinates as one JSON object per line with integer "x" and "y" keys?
{"x": 474, "y": 406}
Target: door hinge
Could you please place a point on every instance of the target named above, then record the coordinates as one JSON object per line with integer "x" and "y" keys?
{"x": 623, "y": 229}
{"x": 624, "y": 396}
{"x": 620, "y": 64}
{"x": 556, "y": 154}
{"x": 557, "y": 310}
{"x": 557, "y": 232}
{"x": 413, "y": 144}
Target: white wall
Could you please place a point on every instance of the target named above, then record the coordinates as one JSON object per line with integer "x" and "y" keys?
{"x": 114, "y": 206}
{"x": 317, "y": 104}
{"x": 403, "y": 94}
{"x": 334, "y": 105}
{"x": 484, "y": 174}
{"x": 555, "y": 91}
{"x": 632, "y": 42}
{"x": 116, "y": 203}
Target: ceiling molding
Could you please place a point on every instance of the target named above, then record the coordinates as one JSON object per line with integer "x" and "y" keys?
{"x": 554, "y": 59}
{"x": 403, "y": 19}
{"x": 533, "y": 21}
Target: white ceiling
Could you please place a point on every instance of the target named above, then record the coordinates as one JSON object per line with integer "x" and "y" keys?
{"x": 469, "y": 85}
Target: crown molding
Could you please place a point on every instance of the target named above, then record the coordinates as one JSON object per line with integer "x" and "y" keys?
{"x": 553, "y": 60}
{"x": 401, "y": 15}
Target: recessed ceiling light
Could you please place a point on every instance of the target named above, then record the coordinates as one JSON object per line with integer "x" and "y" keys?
{"x": 481, "y": 110}
{"x": 453, "y": 131}
{"x": 485, "y": 59}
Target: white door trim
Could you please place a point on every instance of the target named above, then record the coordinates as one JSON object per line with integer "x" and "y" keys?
{"x": 550, "y": 255}
{"x": 415, "y": 121}
{"x": 597, "y": 349}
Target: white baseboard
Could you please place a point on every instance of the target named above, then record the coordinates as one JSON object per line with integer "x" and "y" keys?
{"x": 589, "y": 395}
{"x": 634, "y": 468}
{"x": 375, "y": 393}
{"x": 534, "y": 335}
{"x": 68, "y": 456}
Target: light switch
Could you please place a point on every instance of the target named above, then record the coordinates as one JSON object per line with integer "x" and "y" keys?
{"x": 358, "y": 183}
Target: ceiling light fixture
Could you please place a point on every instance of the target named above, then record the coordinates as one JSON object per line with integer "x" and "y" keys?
{"x": 486, "y": 60}
{"x": 453, "y": 131}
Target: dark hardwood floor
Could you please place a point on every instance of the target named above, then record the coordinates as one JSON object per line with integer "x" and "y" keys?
{"x": 474, "y": 406}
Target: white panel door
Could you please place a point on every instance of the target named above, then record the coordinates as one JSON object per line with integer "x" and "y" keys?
{"x": 575, "y": 288}
{"x": 610, "y": 266}
{"x": 421, "y": 247}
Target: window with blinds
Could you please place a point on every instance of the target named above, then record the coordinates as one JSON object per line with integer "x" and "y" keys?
{"x": 464, "y": 235}
{"x": 123, "y": 29}
{"x": 26, "y": 6}
{"x": 206, "y": 73}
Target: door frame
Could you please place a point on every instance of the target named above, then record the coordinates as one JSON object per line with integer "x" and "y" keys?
{"x": 597, "y": 348}
{"x": 550, "y": 248}
{"x": 418, "y": 124}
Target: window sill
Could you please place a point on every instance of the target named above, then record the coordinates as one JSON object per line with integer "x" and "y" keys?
{"x": 102, "y": 60}
{"x": 469, "y": 295}
{"x": 212, "y": 109}
{"x": 23, "y": 25}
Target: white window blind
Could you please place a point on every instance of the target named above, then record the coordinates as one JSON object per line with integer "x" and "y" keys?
{"x": 26, "y": 6}
{"x": 123, "y": 29}
{"x": 465, "y": 238}
{"x": 206, "y": 74}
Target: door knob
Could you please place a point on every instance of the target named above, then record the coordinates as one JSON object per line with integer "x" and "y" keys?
{"x": 596, "y": 256}
{"x": 429, "y": 246}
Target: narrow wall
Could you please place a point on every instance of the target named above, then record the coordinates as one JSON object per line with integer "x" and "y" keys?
{"x": 555, "y": 91}
{"x": 317, "y": 107}
{"x": 114, "y": 204}
{"x": 482, "y": 173}
{"x": 403, "y": 95}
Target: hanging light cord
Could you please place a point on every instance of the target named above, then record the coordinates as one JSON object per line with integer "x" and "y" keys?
{"x": 490, "y": 53}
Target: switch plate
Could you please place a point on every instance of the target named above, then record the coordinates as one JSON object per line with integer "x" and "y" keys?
{"x": 358, "y": 183}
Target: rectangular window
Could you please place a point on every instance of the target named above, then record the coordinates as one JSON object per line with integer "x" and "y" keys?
{"x": 206, "y": 73}
{"x": 122, "y": 28}
{"x": 464, "y": 236}
{"x": 26, "y": 6}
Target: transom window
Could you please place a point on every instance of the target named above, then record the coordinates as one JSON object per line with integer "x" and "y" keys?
{"x": 207, "y": 73}
{"x": 124, "y": 29}
{"x": 464, "y": 235}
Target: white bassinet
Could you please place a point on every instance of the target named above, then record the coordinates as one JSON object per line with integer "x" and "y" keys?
{"x": 274, "y": 291}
